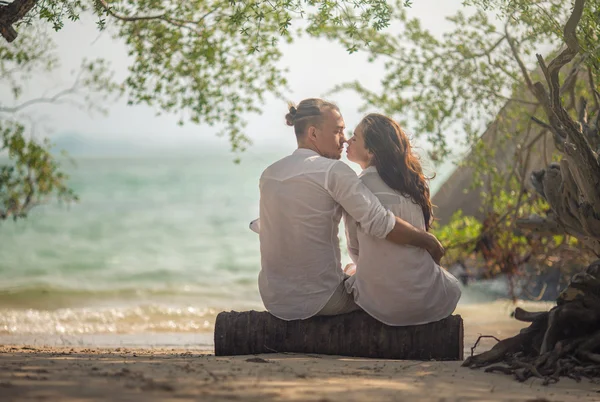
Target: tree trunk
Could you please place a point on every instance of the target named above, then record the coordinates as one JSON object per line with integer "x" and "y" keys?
{"x": 571, "y": 187}
{"x": 354, "y": 334}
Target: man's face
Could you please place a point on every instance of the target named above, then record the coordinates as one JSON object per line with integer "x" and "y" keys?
{"x": 328, "y": 138}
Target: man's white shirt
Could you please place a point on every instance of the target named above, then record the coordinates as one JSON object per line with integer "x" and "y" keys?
{"x": 302, "y": 197}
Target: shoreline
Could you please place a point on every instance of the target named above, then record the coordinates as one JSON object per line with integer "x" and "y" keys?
{"x": 180, "y": 366}
{"x": 161, "y": 340}
{"x": 492, "y": 318}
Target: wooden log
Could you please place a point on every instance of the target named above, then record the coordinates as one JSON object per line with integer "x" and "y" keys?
{"x": 355, "y": 334}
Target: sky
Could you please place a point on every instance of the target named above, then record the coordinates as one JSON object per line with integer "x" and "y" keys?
{"x": 315, "y": 66}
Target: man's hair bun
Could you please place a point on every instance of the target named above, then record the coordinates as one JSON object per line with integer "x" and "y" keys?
{"x": 290, "y": 118}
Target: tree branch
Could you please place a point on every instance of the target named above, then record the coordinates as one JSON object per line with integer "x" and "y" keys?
{"x": 486, "y": 52}
{"x": 522, "y": 189}
{"x": 595, "y": 93}
{"x": 509, "y": 99}
{"x": 570, "y": 30}
{"x": 541, "y": 123}
{"x": 121, "y": 17}
{"x": 584, "y": 165}
{"x": 551, "y": 72}
{"x": 559, "y": 136}
{"x": 57, "y": 98}
{"x": 54, "y": 99}
{"x": 12, "y": 13}
{"x": 571, "y": 79}
{"x": 517, "y": 57}
{"x": 160, "y": 17}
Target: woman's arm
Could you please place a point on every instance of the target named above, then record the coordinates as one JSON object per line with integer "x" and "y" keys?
{"x": 351, "y": 237}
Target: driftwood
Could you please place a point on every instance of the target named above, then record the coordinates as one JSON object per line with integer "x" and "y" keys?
{"x": 354, "y": 334}
{"x": 564, "y": 341}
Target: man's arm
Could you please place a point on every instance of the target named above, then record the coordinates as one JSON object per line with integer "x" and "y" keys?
{"x": 360, "y": 203}
{"x": 405, "y": 233}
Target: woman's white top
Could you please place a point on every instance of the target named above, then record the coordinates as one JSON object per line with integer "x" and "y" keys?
{"x": 397, "y": 285}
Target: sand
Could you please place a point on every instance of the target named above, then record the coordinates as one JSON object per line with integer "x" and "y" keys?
{"x": 58, "y": 373}
{"x": 128, "y": 374}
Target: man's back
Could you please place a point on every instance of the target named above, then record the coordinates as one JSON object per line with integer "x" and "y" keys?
{"x": 299, "y": 218}
{"x": 301, "y": 202}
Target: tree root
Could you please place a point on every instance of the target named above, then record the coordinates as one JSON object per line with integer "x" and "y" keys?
{"x": 563, "y": 342}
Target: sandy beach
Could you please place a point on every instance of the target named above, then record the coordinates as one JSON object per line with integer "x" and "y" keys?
{"x": 140, "y": 374}
{"x": 158, "y": 373}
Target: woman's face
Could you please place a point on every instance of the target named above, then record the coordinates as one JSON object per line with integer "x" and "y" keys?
{"x": 356, "y": 151}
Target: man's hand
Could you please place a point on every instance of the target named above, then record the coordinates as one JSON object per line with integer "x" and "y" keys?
{"x": 405, "y": 233}
{"x": 435, "y": 248}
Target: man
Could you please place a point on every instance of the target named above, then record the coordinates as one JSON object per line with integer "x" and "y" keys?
{"x": 301, "y": 202}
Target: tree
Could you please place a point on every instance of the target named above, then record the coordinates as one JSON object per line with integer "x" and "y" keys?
{"x": 32, "y": 174}
{"x": 478, "y": 78}
{"x": 210, "y": 62}
{"x": 565, "y": 340}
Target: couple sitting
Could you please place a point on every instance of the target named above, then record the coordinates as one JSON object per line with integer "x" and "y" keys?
{"x": 387, "y": 213}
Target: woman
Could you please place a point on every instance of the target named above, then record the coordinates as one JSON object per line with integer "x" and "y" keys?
{"x": 398, "y": 285}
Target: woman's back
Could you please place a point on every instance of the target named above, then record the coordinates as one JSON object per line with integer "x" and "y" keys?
{"x": 398, "y": 285}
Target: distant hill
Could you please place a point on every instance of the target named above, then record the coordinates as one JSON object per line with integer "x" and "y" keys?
{"x": 78, "y": 145}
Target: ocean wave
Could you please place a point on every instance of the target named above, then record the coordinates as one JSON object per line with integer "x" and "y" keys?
{"x": 162, "y": 319}
{"x": 49, "y": 297}
{"x": 115, "y": 320}
{"x": 16, "y": 292}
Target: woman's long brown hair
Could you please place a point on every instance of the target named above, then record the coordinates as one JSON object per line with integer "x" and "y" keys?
{"x": 396, "y": 164}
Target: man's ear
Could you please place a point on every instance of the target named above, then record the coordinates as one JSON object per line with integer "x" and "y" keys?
{"x": 312, "y": 133}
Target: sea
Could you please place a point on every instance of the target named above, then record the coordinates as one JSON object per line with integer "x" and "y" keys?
{"x": 157, "y": 246}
